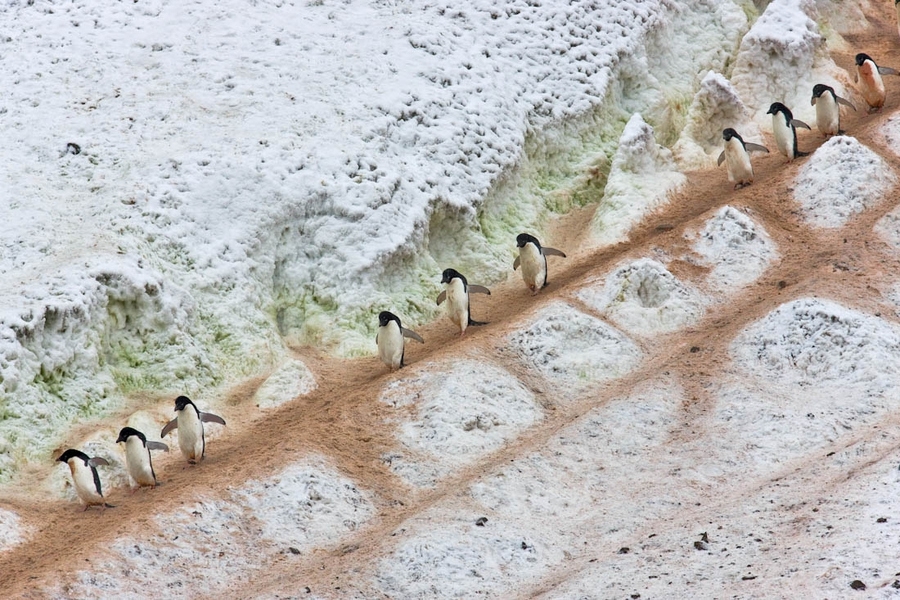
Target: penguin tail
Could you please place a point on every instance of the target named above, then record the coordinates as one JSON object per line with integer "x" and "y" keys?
{"x": 799, "y": 154}
{"x": 108, "y": 505}
{"x": 476, "y": 323}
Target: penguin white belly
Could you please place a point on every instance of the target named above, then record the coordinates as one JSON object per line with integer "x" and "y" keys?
{"x": 390, "y": 345}
{"x": 83, "y": 478}
{"x": 190, "y": 434}
{"x": 458, "y": 303}
{"x": 137, "y": 458}
{"x": 737, "y": 162}
{"x": 871, "y": 85}
{"x": 828, "y": 115}
{"x": 534, "y": 266}
{"x": 784, "y": 136}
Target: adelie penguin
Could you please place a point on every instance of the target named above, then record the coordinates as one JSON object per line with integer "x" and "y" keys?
{"x": 137, "y": 456}
{"x": 457, "y": 297}
{"x": 85, "y": 477}
{"x": 828, "y": 109}
{"x": 533, "y": 260}
{"x": 784, "y": 126}
{"x": 868, "y": 79}
{"x": 189, "y": 423}
{"x": 737, "y": 158}
{"x": 391, "y": 339}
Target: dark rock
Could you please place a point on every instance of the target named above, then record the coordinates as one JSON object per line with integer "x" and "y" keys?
{"x": 856, "y": 584}
{"x": 481, "y": 521}
{"x": 624, "y": 550}
{"x": 294, "y": 550}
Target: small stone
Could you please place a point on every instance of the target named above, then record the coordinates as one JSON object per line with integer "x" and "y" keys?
{"x": 896, "y": 584}
{"x": 704, "y": 537}
{"x": 624, "y": 550}
{"x": 856, "y": 584}
{"x": 782, "y": 284}
{"x": 294, "y": 550}
{"x": 699, "y": 545}
{"x": 481, "y": 521}
{"x": 73, "y": 148}
{"x": 881, "y": 520}
{"x": 695, "y": 349}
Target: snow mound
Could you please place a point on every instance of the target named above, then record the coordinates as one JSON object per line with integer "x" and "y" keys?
{"x": 820, "y": 343}
{"x": 290, "y": 380}
{"x": 573, "y": 349}
{"x": 737, "y": 249}
{"x": 12, "y": 532}
{"x": 643, "y": 174}
{"x": 186, "y": 552}
{"x": 890, "y": 134}
{"x": 841, "y": 179}
{"x": 644, "y": 298}
{"x": 716, "y": 106}
{"x": 462, "y": 411}
{"x": 781, "y": 58}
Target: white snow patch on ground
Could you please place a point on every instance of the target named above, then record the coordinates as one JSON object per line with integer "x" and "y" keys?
{"x": 735, "y": 247}
{"x": 642, "y": 176}
{"x": 201, "y": 548}
{"x": 781, "y": 58}
{"x": 840, "y": 180}
{"x": 290, "y": 380}
{"x": 573, "y": 350}
{"x": 12, "y": 532}
{"x": 643, "y": 298}
{"x": 460, "y": 411}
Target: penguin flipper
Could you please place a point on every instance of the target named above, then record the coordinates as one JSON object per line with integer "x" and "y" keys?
{"x": 409, "y": 333}
{"x": 516, "y": 263}
{"x": 552, "y": 252}
{"x": 441, "y": 297}
{"x": 173, "y": 424}
{"x": 887, "y": 71}
{"x": 157, "y": 446}
{"x": 844, "y": 102}
{"x": 799, "y": 123}
{"x": 98, "y": 462}
{"x": 721, "y": 159}
{"x": 479, "y": 289}
{"x": 751, "y": 147}
{"x": 211, "y": 418}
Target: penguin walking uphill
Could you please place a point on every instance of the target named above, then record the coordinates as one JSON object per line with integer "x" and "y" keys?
{"x": 457, "y": 297}
{"x": 189, "y": 423}
{"x": 737, "y": 158}
{"x": 137, "y": 456}
{"x": 390, "y": 339}
{"x": 828, "y": 110}
{"x": 85, "y": 477}
{"x": 784, "y": 126}
{"x": 533, "y": 260}
{"x": 868, "y": 78}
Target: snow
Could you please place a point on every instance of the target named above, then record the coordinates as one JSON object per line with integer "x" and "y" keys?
{"x": 841, "y": 179}
{"x": 290, "y": 380}
{"x": 12, "y": 533}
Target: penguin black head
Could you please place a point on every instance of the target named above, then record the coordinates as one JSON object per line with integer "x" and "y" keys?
{"x": 524, "y": 238}
{"x": 449, "y": 274}
{"x": 861, "y": 58}
{"x": 182, "y": 401}
{"x": 72, "y": 453}
{"x": 778, "y": 107}
{"x": 385, "y": 317}
{"x": 729, "y": 133}
{"x": 821, "y": 88}
{"x": 127, "y": 432}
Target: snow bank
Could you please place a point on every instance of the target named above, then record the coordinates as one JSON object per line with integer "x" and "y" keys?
{"x": 644, "y": 298}
{"x": 290, "y": 380}
{"x": 461, "y": 411}
{"x": 643, "y": 174}
{"x": 841, "y": 179}
{"x": 573, "y": 350}
{"x": 188, "y": 552}
{"x": 737, "y": 249}
{"x": 780, "y": 60}
{"x": 12, "y": 533}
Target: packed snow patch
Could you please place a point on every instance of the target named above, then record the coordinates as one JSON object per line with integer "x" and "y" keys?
{"x": 290, "y": 380}
{"x": 841, "y": 179}
{"x": 12, "y": 532}
{"x": 737, "y": 249}
{"x": 643, "y": 298}
{"x": 186, "y": 552}
{"x": 643, "y": 174}
{"x": 572, "y": 349}
{"x": 462, "y": 410}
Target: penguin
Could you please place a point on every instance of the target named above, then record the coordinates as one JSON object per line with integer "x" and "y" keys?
{"x": 390, "y": 339}
{"x": 85, "y": 477}
{"x": 784, "y": 126}
{"x": 457, "y": 296}
{"x": 868, "y": 77}
{"x": 533, "y": 259}
{"x": 737, "y": 157}
{"x": 189, "y": 423}
{"x": 137, "y": 456}
{"x": 828, "y": 113}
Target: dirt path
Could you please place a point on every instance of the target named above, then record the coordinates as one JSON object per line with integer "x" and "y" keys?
{"x": 343, "y": 419}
